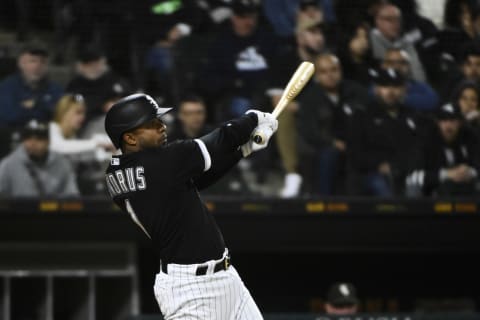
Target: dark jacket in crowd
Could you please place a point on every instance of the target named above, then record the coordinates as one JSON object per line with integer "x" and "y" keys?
{"x": 96, "y": 92}
{"x": 433, "y": 154}
{"x": 20, "y": 103}
{"x": 379, "y": 137}
{"x": 239, "y": 66}
{"x": 321, "y": 120}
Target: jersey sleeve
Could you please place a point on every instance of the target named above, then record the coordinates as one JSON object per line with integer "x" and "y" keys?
{"x": 188, "y": 158}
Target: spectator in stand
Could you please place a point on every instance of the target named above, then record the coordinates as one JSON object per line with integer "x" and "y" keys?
{"x": 388, "y": 33}
{"x": 94, "y": 77}
{"x": 420, "y": 96}
{"x": 326, "y": 109}
{"x": 96, "y": 125}
{"x": 355, "y": 53}
{"x": 460, "y": 20}
{"x": 468, "y": 70}
{"x": 191, "y": 119}
{"x": 33, "y": 171}
{"x": 422, "y": 33}
{"x": 69, "y": 117}
{"x": 310, "y": 9}
{"x": 448, "y": 160}
{"x": 355, "y": 11}
{"x": 310, "y": 42}
{"x": 467, "y": 97}
{"x": 342, "y": 300}
{"x": 382, "y": 137}
{"x": 191, "y": 124}
{"x": 238, "y": 62}
{"x": 28, "y": 94}
{"x": 92, "y": 179}
{"x": 284, "y": 14}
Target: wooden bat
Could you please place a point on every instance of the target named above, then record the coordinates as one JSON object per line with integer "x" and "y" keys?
{"x": 299, "y": 79}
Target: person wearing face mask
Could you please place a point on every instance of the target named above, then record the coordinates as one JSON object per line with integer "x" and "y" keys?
{"x": 93, "y": 78}
{"x": 32, "y": 170}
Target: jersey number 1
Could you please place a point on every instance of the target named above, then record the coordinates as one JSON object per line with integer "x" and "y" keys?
{"x": 134, "y": 217}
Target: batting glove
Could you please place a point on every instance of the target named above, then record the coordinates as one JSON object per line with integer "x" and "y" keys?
{"x": 264, "y": 118}
{"x": 267, "y": 131}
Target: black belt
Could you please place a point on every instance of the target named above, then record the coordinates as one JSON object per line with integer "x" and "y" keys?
{"x": 202, "y": 270}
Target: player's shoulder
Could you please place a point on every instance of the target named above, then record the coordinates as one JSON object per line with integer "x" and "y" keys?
{"x": 178, "y": 147}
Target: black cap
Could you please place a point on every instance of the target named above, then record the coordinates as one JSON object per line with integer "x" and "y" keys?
{"x": 90, "y": 53}
{"x": 243, "y": 7}
{"x": 342, "y": 294}
{"x": 470, "y": 49}
{"x": 35, "y": 128}
{"x": 129, "y": 113}
{"x": 114, "y": 91}
{"x": 449, "y": 111}
{"x": 35, "y": 48}
{"x": 307, "y": 3}
{"x": 387, "y": 77}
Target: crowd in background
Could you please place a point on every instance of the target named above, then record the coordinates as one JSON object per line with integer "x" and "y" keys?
{"x": 393, "y": 108}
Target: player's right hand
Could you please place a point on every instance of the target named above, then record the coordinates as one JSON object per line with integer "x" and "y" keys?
{"x": 267, "y": 131}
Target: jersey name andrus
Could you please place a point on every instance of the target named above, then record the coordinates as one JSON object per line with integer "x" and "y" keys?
{"x": 126, "y": 180}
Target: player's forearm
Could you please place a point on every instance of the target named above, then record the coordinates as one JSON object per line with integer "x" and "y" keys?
{"x": 229, "y": 136}
{"x": 221, "y": 165}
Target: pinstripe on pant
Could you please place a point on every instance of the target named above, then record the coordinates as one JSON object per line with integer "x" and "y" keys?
{"x": 215, "y": 296}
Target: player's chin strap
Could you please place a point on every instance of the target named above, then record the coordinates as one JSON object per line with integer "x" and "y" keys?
{"x": 134, "y": 216}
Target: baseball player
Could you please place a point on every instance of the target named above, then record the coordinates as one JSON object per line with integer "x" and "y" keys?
{"x": 157, "y": 185}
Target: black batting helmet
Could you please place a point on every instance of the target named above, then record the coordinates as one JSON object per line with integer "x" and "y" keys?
{"x": 129, "y": 113}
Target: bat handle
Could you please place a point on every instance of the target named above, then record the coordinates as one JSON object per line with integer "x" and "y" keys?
{"x": 258, "y": 137}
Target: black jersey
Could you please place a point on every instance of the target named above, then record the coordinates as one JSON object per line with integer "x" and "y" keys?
{"x": 158, "y": 188}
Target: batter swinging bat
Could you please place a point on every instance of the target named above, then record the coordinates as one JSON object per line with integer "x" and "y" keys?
{"x": 299, "y": 79}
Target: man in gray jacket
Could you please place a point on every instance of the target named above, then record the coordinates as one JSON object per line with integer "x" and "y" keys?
{"x": 387, "y": 34}
{"x": 31, "y": 170}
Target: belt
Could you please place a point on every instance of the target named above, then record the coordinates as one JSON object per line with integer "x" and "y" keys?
{"x": 202, "y": 269}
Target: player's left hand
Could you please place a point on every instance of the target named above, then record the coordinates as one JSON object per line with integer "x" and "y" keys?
{"x": 264, "y": 118}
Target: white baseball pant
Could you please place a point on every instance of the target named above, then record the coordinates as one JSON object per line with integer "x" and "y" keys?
{"x": 215, "y": 296}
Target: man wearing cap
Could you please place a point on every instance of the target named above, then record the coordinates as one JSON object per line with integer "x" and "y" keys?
{"x": 419, "y": 96}
{"x": 341, "y": 299}
{"x": 382, "y": 137}
{"x": 33, "y": 171}
{"x": 447, "y": 162}
{"x": 95, "y": 80}
{"x": 28, "y": 94}
{"x": 283, "y": 14}
{"x": 239, "y": 59}
{"x": 157, "y": 185}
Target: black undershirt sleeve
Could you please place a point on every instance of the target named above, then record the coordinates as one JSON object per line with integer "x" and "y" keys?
{"x": 223, "y": 146}
{"x": 230, "y": 135}
{"x": 222, "y": 164}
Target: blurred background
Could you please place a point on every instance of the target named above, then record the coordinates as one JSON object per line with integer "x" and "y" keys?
{"x": 365, "y": 206}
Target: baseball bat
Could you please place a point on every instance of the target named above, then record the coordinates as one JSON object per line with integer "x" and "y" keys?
{"x": 298, "y": 80}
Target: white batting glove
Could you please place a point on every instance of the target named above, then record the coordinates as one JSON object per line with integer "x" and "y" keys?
{"x": 264, "y": 118}
{"x": 266, "y": 131}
